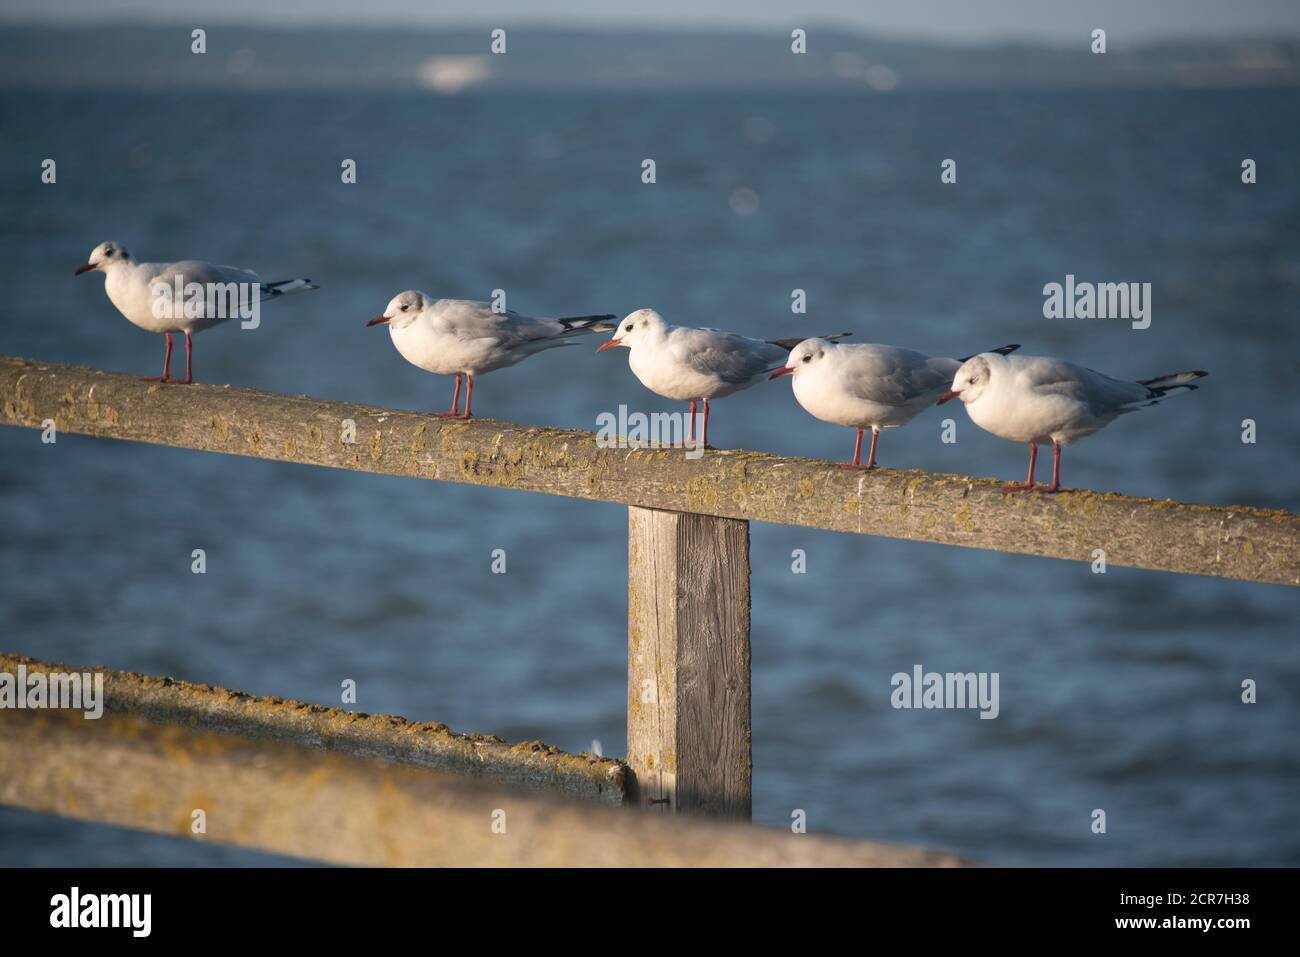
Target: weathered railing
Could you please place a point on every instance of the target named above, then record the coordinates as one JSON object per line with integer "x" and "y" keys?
{"x": 291, "y": 778}
{"x": 1224, "y": 541}
{"x": 688, "y": 549}
{"x": 530, "y": 766}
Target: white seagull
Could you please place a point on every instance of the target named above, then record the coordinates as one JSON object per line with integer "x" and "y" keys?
{"x": 458, "y": 337}
{"x": 695, "y": 365}
{"x": 1040, "y": 399}
{"x": 867, "y": 386}
{"x": 133, "y": 288}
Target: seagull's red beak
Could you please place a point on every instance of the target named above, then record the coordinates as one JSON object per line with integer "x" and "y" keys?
{"x": 608, "y": 345}
{"x": 948, "y": 396}
{"x": 86, "y": 268}
{"x": 787, "y": 370}
{"x": 377, "y": 321}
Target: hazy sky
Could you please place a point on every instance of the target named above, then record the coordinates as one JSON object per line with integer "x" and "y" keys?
{"x": 957, "y": 20}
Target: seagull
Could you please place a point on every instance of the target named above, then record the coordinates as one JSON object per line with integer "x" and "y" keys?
{"x": 867, "y": 386}
{"x": 133, "y": 287}
{"x": 459, "y": 337}
{"x": 1040, "y": 399}
{"x": 695, "y": 365}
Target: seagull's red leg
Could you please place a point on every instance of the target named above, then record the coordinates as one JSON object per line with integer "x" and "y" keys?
{"x": 189, "y": 361}
{"x": 857, "y": 452}
{"x": 1056, "y": 471}
{"x": 455, "y": 402}
{"x": 469, "y": 395}
{"x": 690, "y": 426}
{"x": 871, "y": 455}
{"x": 167, "y": 365}
{"x": 704, "y": 430}
{"x": 1029, "y": 482}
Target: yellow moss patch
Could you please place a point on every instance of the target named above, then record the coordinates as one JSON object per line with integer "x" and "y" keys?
{"x": 962, "y": 519}
{"x": 701, "y": 494}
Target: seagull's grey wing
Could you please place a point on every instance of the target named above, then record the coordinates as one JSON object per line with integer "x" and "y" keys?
{"x": 893, "y": 376}
{"x": 222, "y": 291}
{"x": 467, "y": 319}
{"x": 733, "y": 358}
{"x": 1101, "y": 393}
{"x": 197, "y": 271}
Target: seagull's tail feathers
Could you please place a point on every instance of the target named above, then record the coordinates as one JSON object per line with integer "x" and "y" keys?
{"x": 573, "y": 324}
{"x": 791, "y": 343}
{"x": 1159, "y": 388}
{"x": 1000, "y": 350}
{"x": 1162, "y": 384}
{"x": 285, "y": 287}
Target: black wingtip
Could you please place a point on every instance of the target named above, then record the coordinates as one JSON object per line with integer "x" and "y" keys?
{"x": 791, "y": 343}
{"x": 1161, "y": 385}
{"x": 1000, "y": 350}
{"x": 571, "y": 321}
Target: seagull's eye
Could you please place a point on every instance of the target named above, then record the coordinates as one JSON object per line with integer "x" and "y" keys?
{"x": 406, "y": 307}
{"x": 806, "y": 358}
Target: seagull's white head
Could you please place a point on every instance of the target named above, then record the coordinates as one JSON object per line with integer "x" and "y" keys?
{"x": 401, "y": 309}
{"x": 637, "y": 327}
{"x": 806, "y": 355}
{"x": 104, "y": 256}
{"x": 971, "y": 379}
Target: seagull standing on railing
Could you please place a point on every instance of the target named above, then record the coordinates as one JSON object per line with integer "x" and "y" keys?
{"x": 459, "y": 337}
{"x": 695, "y": 365}
{"x": 135, "y": 289}
{"x": 1040, "y": 399}
{"x": 867, "y": 386}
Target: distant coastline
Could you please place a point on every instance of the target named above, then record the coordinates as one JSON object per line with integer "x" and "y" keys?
{"x": 539, "y": 58}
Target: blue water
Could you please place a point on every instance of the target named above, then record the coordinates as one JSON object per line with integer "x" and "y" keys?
{"x": 1118, "y": 691}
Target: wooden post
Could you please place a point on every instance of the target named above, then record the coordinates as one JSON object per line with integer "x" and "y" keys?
{"x": 688, "y": 740}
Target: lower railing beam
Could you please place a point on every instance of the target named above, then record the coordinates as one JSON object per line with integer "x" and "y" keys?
{"x": 282, "y": 798}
